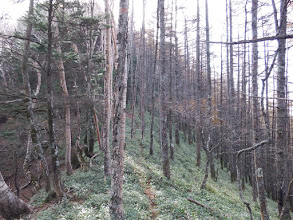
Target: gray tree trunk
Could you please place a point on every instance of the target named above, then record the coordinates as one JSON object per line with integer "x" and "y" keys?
{"x": 170, "y": 114}
{"x": 10, "y": 205}
{"x": 55, "y": 171}
{"x": 66, "y": 104}
{"x": 116, "y": 201}
{"x": 163, "y": 86}
{"x": 107, "y": 95}
{"x": 153, "y": 86}
{"x": 30, "y": 113}
{"x": 209, "y": 100}
{"x": 282, "y": 151}
{"x": 143, "y": 74}
{"x": 177, "y": 77}
{"x": 256, "y": 115}
{"x": 198, "y": 91}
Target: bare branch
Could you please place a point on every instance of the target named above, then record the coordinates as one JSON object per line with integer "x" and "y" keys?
{"x": 277, "y": 37}
{"x": 286, "y": 199}
{"x": 204, "y": 206}
{"x": 11, "y": 101}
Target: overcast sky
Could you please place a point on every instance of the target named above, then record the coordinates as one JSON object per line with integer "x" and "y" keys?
{"x": 14, "y": 11}
{"x": 217, "y": 10}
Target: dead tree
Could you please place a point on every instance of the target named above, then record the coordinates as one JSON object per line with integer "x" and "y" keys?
{"x": 10, "y": 205}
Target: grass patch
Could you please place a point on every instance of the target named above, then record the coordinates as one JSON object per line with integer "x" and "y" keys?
{"x": 143, "y": 173}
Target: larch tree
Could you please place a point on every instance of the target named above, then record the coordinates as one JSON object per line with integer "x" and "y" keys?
{"x": 132, "y": 70}
{"x": 163, "y": 90}
{"x": 177, "y": 76}
{"x": 256, "y": 116}
{"x": 210, "y": 155}
{"x": 107, "y": 94}
{"x": 153, "y": 86}
{"x": 282, "y": 151}
{"x": 170, "y": 112}
{"x": 198, "y": 90}
{"x": 143, "y": 74}
{"x": 118, "y": 142}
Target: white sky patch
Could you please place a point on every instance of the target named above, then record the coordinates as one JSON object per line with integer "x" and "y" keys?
{"x": 11, "y": 11}
{"x": 186, "y": 9}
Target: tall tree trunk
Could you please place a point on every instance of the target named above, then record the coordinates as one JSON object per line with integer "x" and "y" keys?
{"x": 107, "y": 95}
{"x": 143, "y": 74}
{"x": 153, "y": 86}
{"x": 170, "y": 118}
{"x": 198, "y": 95}
{"x": 10, "y": 205}
{"x": 221, "y": 150}
{"x": 231, "y": 98}
{"x": 209, "y": 88}
{"x": 243, "y": 97}
{"x": 163, "y": 86}
{"x": 282, "y": 162}
{"x": 29, "y": 111}
{"x": 66, "y": 104}
{"x": 256, "y": 115}
{"x": 116, "y": 201}
{"x": 55, "y": 172}
{"x": 132, "y": 72}
{"x": 231, "y": 55}
{"x": 177, "y": 73}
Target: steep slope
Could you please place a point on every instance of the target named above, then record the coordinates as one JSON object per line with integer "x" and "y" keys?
{"x": 147, "y": 193}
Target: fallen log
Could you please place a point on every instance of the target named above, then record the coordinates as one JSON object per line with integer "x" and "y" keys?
{"x": 206, "y": 207}
{"x": 200, "y": 204}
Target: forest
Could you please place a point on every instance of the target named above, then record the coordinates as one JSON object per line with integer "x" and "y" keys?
{"x": 147, "y": 109}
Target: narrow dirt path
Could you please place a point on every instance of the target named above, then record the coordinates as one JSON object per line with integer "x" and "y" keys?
{"x": 147, "y": 186}
{"x": 152, "y": 199}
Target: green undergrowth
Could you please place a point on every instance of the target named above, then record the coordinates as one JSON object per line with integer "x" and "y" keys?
{"x": 147, "y": 193}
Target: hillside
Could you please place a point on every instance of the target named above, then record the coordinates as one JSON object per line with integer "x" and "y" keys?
{"x": 147, "y": 193}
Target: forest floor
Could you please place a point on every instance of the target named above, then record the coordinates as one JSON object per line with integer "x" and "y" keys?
{"x": 147, "y": 193}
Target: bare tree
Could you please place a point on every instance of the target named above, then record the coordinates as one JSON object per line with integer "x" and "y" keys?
{"x": 10, "y": 205}
{"x": 282, "y": 160}
{"x": 209, "y": 88}
{"x": 107, "y": 94}
{"x": 255, "y": 122}
{"x": 143, "y": 74}
{"x": 116, "y": 202}
{"x": 163, "y": 87}
{"x": 153, "y": 86}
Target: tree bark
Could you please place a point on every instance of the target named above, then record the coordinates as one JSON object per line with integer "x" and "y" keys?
{"x": 62, "y": 77}
{"x": 163, "y": 86}
{"x": 177, "y": 77}
{"x": 170, "y": 114}
{"x": 153, "y": 86}
{"x": 209, "y": 98}
{"x": 198, "y": 90}
{"x": 10, "y": 205}
{"x": 143, "y": 75}
{"x": 133, "y": 73}
{"x": 29, "y": 111}
{"x": 107, "y": 95}
{"x": 55, "y": 175}
{"x": 255, "y": 122}
{"x": 282, "y": 162}
{"x": 116, "y": 201}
